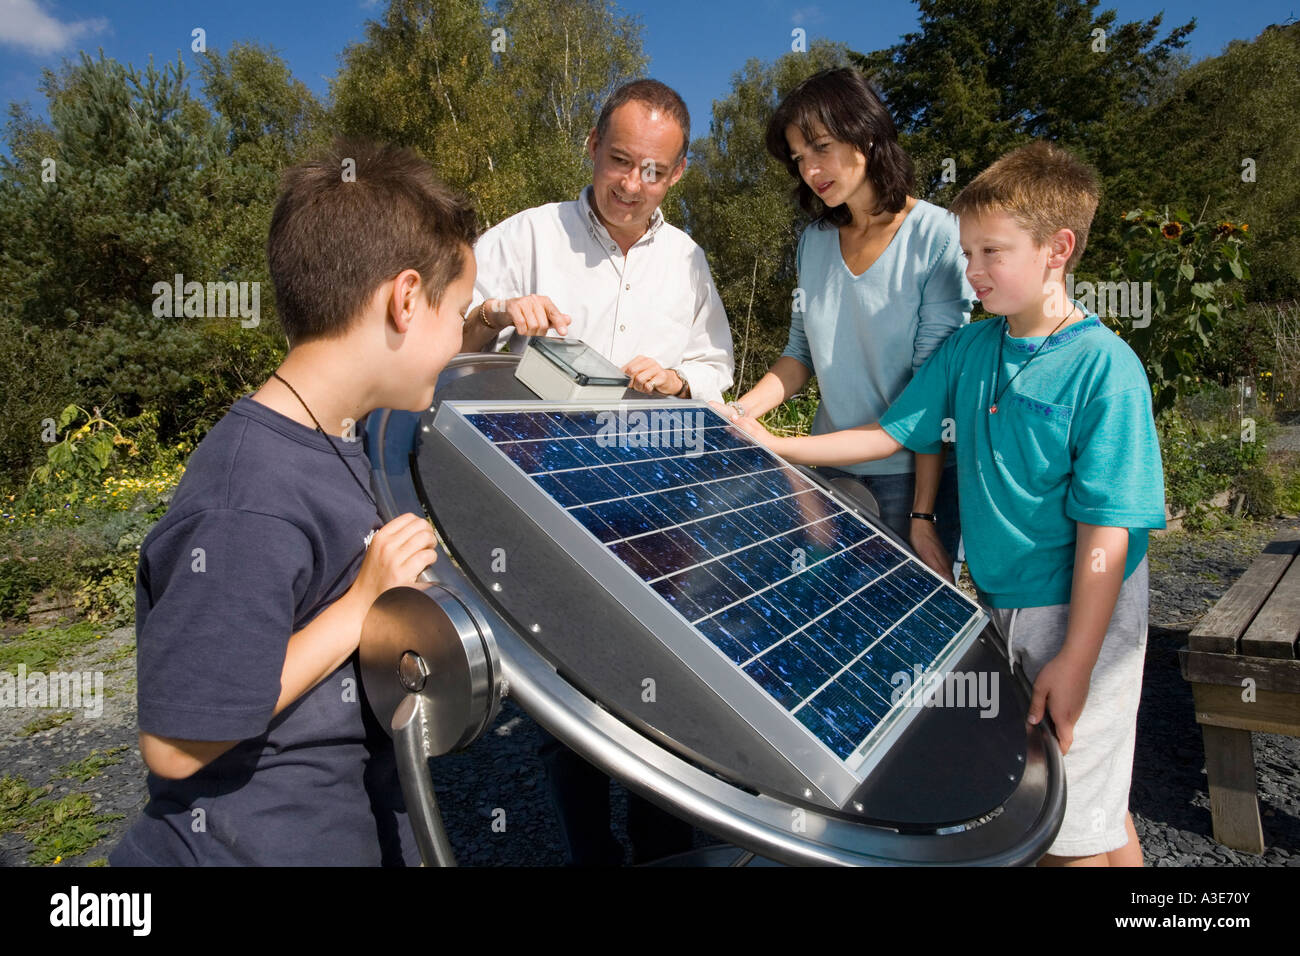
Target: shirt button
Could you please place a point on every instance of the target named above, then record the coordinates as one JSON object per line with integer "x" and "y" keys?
{"x": 627, "y": 287}
{"x": 622, "y": 328}
{"x": 612, "y": 248}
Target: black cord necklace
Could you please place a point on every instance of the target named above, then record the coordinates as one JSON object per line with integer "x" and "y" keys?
{"x": 997, "y": 365}
{"x": 363, "y": 488}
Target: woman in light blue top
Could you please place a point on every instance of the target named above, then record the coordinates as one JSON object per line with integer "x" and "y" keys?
{"x": 881, "y": 284}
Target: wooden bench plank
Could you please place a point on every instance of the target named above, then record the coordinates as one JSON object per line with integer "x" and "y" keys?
{"x": 1262, "y": 710}
{"x": 1221, "y": 629}
{"x": 1274, "y": 631}
{"x": 1201, "y": 667}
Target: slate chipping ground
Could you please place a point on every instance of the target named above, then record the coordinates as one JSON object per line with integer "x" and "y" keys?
{"x": 501, "y": 771}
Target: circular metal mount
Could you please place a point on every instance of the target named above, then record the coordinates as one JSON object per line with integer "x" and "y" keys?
{"x": 426, "y": 642}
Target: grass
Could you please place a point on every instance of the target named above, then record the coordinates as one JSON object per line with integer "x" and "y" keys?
{"x": 55, "y": 828}
{"x": 90, "y": 766}
{"x": 46, "y": 648}
{"x": 46, "y": 722}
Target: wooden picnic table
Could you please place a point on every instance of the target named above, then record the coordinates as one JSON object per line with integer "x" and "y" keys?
{"x": 1244, "y": 667}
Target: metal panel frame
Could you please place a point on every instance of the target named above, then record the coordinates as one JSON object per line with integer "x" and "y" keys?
{"x": 834, "y": 778}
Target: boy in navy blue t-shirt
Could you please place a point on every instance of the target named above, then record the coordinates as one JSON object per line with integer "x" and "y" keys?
{"x": 252, "y": 589}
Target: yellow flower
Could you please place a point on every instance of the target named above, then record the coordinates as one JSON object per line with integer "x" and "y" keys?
{"x": 1171, "y": 230}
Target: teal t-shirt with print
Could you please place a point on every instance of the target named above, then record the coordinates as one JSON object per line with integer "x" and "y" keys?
{"x": 1073, "y": 439}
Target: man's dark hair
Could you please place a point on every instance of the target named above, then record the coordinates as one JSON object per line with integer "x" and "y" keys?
{"x": 352, "y": 219}
{"x": 843, "y": 103}
{"x": 655, "y": 95}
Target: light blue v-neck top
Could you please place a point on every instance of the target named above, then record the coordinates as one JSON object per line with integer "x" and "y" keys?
{"x": 863, "y": 336}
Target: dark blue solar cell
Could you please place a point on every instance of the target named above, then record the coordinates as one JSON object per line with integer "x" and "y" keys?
{"x": 725, "y": 533}
{"x": 794, "y": 667}
{"x": 555, "y": 455}
{"x": 644, "y": 568}
{"x": 588, "y": 485}
{"x": 957, "y": 608}
{"x": 784, "y": 694}
{"x": 938, "y": 631}
{"x": 756, "y": 566}
{"x": 705, "y": 589}
{"x": 840, "y": 745}
{"x": 583, "y": 423}
{"x": 595, "y": 452}
{"x": 726, "y": 437}
{"x": 880, "y": 553}
{"x": 855, "y": 713}
{"x": 848, "y": 529}
{"x": 770, "y": 613}
{"x": 884, "y": 597}
{"x": 852, "y": 634}
{"x": 719, "y": 638}
{"x": 810, "y": 643}
{"x": 748, "y": 628}
{"x": 563, "y": 496}
{"x": 489, "y": 427}
{"x": 882, "y": 661}
{"x": 801, "y": 593}
{"x": 595, "y": 523}
{"x": 652, "y": 475}
{"x": 885, "y": 686}
{"x": 520, "y": 426}
{"x": 912, "y": 640}
{"x": 680, "y": 601}
{"x": 631, "y": 516}
{"x": 522, "y": 454}
{"x": 663, "y": 553}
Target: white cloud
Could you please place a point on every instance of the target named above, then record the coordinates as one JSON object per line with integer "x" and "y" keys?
{"x": 24, "y": 24}
{"x": 806, "y": 15}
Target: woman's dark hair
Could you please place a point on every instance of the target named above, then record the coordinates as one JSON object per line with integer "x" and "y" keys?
{"x": 842, "y": 102}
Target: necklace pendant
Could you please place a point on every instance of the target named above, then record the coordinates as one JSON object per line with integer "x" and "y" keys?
{"x": 993, "y": 409}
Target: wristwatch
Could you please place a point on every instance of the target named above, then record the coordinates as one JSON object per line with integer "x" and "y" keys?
{"x": 924, "y": 516}
{"x": 685, "y": 384}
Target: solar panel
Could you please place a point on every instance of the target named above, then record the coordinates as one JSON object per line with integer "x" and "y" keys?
{"x": 780, "y": 597}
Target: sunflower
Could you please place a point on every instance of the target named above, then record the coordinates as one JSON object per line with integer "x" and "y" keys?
{"x": 1171, "y": 230}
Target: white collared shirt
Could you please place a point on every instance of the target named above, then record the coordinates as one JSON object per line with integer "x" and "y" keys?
{"x": 659, "y": 300}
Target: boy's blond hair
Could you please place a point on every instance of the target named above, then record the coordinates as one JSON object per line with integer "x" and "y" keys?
{"x": 1042, "y": 187}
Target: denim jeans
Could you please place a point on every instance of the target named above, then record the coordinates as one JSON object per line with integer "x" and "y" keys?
{"x": 894, "y": 495}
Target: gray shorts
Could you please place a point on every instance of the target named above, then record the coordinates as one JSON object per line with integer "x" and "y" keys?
{"x": 1099, "y": 766}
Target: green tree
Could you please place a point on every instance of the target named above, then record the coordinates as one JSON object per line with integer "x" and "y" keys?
{"x": 984, "y": 76}
{"x": 499, "y": 101}
{"x": 120, "y": 201}
{"x": 1225, "y": 141}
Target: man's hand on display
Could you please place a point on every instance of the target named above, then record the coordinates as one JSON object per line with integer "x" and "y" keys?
{"x": 652, "y": 378}
{"x": 529, "y": 314}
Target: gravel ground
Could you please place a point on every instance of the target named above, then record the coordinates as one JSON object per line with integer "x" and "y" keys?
{"x": 496, "y": 803}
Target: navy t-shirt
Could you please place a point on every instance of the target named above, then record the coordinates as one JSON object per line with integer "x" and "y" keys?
{"x": 265, "y": 532}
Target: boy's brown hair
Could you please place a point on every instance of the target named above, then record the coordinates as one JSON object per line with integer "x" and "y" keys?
{"x": 354, "y": 218}
{"x": 1042, "y": 187}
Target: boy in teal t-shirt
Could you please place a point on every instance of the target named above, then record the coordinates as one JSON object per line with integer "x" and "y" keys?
{"x": 1059, "y": 477}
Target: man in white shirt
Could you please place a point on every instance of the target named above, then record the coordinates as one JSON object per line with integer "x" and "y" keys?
{"x": 606, "y": 268}
{"x": 637, "y": 290}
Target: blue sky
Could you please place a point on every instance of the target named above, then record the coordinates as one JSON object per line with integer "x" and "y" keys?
{"x": 694, "y": 46}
